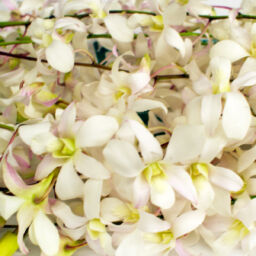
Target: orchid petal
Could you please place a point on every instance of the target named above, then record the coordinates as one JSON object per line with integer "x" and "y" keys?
{"x": 92, "y": 194}
{"x": 149, "y": 145}
{"x": 141, "y": 192}
{"x": 67, "y": 121}
{"x": 141, "y": 105}
{"x": 174, "y": 39}
{"x": 123, "y": 158}
{"x": 69, "y": 185}
{"x": 9, "y": 205}
{"x": 47, "y": 165}
{"x": 163, "y": 198}
{"x": 109, "y": 209}
{"x": 118, "y": 28}
{"x": 46, "y": 234}
{"x": 150, "y": 223}
{"x": 236, "y": 116}
{"x": 64, "y": 213}
{"x": 96, "y": 131}
{"x": 57, "y": 59}
{"x": 25, "y": 216}
{"x": 210, "y": 112}
{"x": 246, "y": 159}
{"x": 228, "y": 49}
{"x": 180, "y": 180}
{"x": 225, "y": 179}
{"x": 187, "y": 222}
{"x": 186, "y": 143}
{"x": 69, "y": 23}
{"x": 90, "y": 167}
{"x": 29, "y": 132}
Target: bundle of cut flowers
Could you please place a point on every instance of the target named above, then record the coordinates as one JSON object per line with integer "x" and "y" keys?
{"x": 127, "y": 128}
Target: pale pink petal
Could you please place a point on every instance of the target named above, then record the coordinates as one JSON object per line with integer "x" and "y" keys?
{"x": 236, "y": 117}
{"x": 47, "y": 165}
{"x": 149, "y": 146}
{"x": 92, "y": 194}
{"x": 225, "y": 178}
{"x": 96, "y": 131}
{"x": 123, "y": 158}
{"x": 90, "y": 167}
{"x": 187, "y": 222}
{"x": 69, "y": 185}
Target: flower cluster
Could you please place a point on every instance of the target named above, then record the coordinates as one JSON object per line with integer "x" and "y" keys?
{"x": 127, "y": 128}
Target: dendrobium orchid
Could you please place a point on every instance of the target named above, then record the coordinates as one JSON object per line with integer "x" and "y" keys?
{"x": 127, "y": 128}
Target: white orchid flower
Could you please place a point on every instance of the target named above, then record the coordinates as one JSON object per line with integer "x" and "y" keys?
{"x": 159, "y": 237}
{"x": 30, "y": 202}
{"x": 55, "y": 38}
{"x": 153, "y": 177}
{"x": 65, "y": 149}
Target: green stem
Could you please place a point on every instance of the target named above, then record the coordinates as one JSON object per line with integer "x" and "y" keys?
{"x": 14, "y": 23}
{"x": 7, "y": 127}
{"x": 221, "y": 17}
{"x": 15, "y": 42}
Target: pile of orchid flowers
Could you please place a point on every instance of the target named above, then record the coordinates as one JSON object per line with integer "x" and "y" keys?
{"x": 127, "y": 128}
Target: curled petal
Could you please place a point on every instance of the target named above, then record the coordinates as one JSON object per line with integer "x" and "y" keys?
{"x": 64, "y": 213}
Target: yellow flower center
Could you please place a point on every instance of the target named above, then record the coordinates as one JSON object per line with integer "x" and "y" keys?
{"x": 122, "y": 91}
{"x": 64, "y": 148}
{"x": 95, "y": 228}
{"x": 128, "y": 213}
{"x": 164, "y": 237}
{"x": 182, "y": 2}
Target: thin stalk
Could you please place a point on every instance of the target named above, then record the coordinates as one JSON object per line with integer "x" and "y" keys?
{"x": 7, "y": 127}
{"x": 91, "y": 65}
{"x": 20, "y": 56}
{"x": 4, "y": 24}
{"x": 15, "y": 42}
